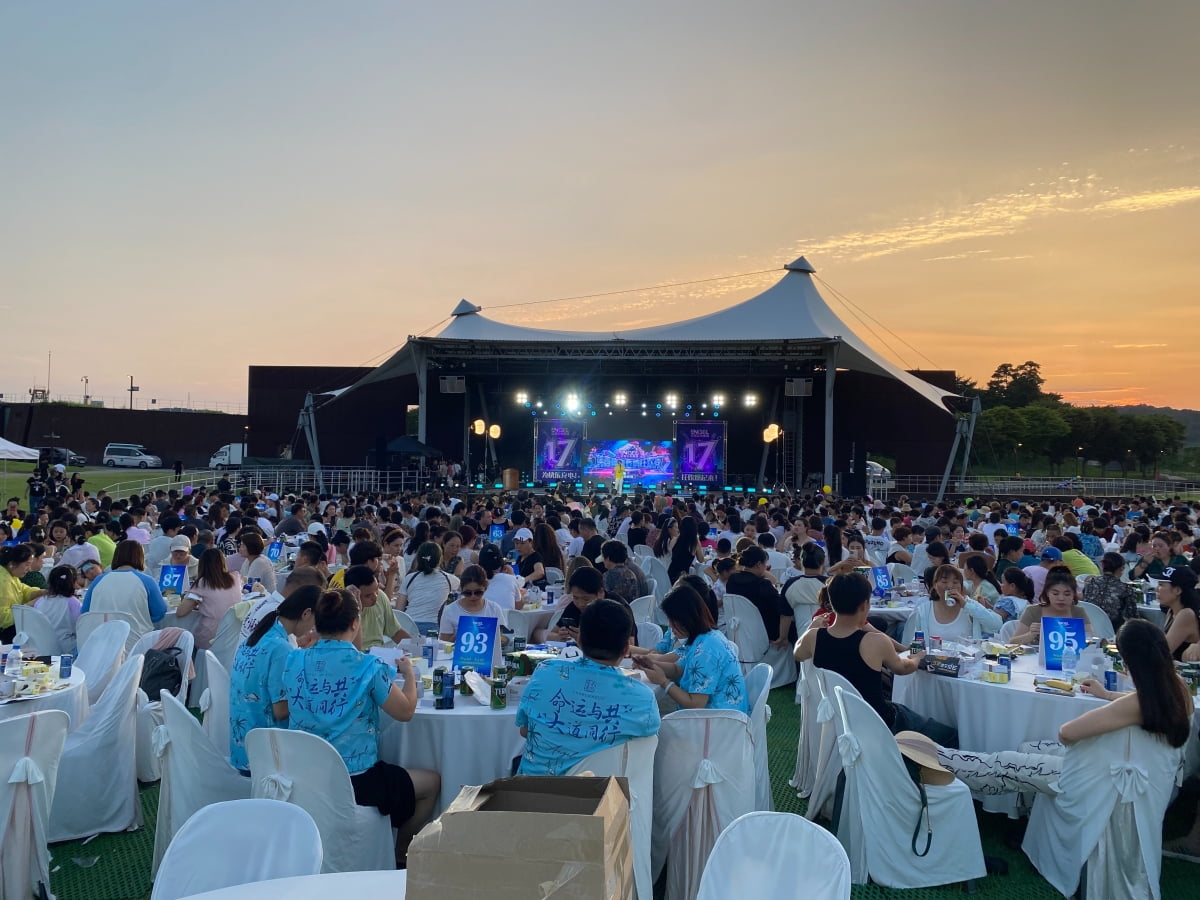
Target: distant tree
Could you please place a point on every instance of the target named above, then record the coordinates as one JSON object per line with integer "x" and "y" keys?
{"x": 1078, "y": 440}
{"x": 1152, "y": 438}
{"x": 1111, "y": 439}
{"x": 1017, "y": 387}
{"x": 1043, "y": 427}
{"x": 1004, "y": 428}
{"x": 966, "y": 387}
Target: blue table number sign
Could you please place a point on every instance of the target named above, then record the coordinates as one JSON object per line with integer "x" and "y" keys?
{"x": 1011, "y": 528}
{"x": 883, "y": 580}
{"x": 1057, "y": 636}
{"x": 475, "y": 643}
{"x": 274, "y": 551}
{"x": 170, "y": 579}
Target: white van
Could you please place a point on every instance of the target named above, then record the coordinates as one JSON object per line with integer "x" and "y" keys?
{"x": 134, "y": 455}
{"x": 227, "y": 457}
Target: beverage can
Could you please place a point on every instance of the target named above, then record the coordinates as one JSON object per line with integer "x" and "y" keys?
{"x": 518, "y": 644}
{"x": 500, "y": 688}
{"x": 918, "y": 643}
{"x": 439, "y": 675}
{"x": 447, "y": 690}
{"x": 64, "y": 666}
{"x": 1110, "y": 680}
{"x": 463, "y": 687}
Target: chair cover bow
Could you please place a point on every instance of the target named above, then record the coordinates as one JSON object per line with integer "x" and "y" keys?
{"x": 159, "y": 739}
{"x": 849, "y": 749}
{"x": 1130, "y": 780}
{"x": 26, "y": 771}
{"x": 205, "y": 701}
{"x": 276, "y": 786}
{"x": 825, "y": 710}
{"x": 707, "y": 774}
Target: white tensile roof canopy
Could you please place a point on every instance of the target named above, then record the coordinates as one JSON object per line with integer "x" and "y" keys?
{"x": 792, "y": 310}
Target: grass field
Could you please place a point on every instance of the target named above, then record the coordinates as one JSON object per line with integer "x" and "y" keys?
{"x": 97, "y": 478}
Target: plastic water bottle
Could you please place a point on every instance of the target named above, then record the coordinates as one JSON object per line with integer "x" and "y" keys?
{"x": 13, "y": 665}
{"x": 1070, "y": 661}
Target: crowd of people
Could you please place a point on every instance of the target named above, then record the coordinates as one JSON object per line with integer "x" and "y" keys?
{"x": 359, "y": 560}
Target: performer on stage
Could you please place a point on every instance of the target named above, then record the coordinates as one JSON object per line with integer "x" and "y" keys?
{"x": 619, "y": 478}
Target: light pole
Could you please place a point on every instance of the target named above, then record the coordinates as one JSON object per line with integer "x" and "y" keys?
{"x": 1079, "y": 457}
{"x": 133, "y": 388}
{"x": 86, "y": 398}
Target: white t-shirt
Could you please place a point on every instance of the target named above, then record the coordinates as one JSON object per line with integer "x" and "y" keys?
{"x": 575, "y": 547}
{"x": 877, "y": 547}
{"x": 427, "y": 593}
{"x": 451, "y": 614}
{"x": 258, "y": 612}
{"x": 504, "y": 590}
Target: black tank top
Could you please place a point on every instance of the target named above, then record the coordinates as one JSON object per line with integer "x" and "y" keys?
{"x": 842, "y": 655}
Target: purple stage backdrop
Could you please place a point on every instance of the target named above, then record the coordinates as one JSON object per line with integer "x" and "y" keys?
{"x": 645, "y": 462}
{"x": 700, "y": 448}
{"x": 559, "y": 444}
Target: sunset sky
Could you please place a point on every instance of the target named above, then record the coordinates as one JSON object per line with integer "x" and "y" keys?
{"x": 194, "y": 188}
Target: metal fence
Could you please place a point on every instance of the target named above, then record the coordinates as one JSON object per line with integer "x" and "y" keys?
{"x": 926, "y": 487}
{"x": 281, "y": 480}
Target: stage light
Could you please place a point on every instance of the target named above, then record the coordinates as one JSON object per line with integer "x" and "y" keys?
{"x": 658, "y": 415}
{"x": 704, "y": 406}
{"x": 658, "y": 406}
{"x": 620, "y": 399}
{"x": 593, "y": 412}
{"x": 771, "y": 433}
{"x": 478, "y": 426}
{"x": 572, "y": 402}
{"x": 610, "y": 412}
{"x": 523, "y": 397}
{"x": 494, "y": 432}
{"x": 718, "y": 399}
{"x": 687, "y": 415}
{"x": 538, "y": 404}
{"x": 643, "y": 412}
{"x": 672, "y": 400}
{"x": 689, "y": 406}
{"x": 643, "y": 406}
{"x": 751, "y": 400}
{"x": 533, "y": 412}
{"x": 716, "y": 415}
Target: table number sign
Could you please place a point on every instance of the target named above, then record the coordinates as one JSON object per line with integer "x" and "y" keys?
{"x": 475, "y": 643}
{"x": 883, "y": 580}
{"x": 170, "y": 580}
{"x": 274, "y": 551}
{"x": 1058, "y": 635}
{"x": 1011, "y": 528}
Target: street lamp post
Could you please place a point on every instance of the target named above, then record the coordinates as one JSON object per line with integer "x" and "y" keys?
{"x": 133, "y": 388}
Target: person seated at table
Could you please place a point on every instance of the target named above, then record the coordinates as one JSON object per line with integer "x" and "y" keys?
{"x": 61, "y": 606}
{"x": 724, "y": 550}
{"x": 503, "y": 587}
{"x": 1110, "y": 593}
{"x": 750, "y": 581}
{"x": 621, "y": 579}
{"x": 1156, "y": 558}
{"x": 1178, "y": 599}
{"x": 1059, "y": 598}
{"x": 529, "y": 562}
{"x": 424, "y": 591}
{"x": 215, "y": 591}
{"x": 336, "y": 692}
{"x": 705, "y": 672}
{"x": 572, "y": 708}
{"x": 14, "y": 563}
{"x": 855, "y": 556}
{"x": 981, "y": 584}
{"x": 951, "y": 613}
{"x": 1159, "y": 702}
{"x": 801, "y": 591}
{"x": 257, "y": 693}
{"x": 1016, "y": 593}
{"x": 128, "y": 589}
{"x": 585, "y": 587}
{"x": 471, "y": 601}
{"x": 860, "y": 655}
{"x": 378, "y": 619}
{"x": 1073, "y": 557}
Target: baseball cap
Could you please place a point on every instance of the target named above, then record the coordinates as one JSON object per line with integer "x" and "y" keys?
{"x": 1180, "y": 576}
{"x": 180, "y": 543}
{"x": 523, "y": 534}
{"x": 1052, "y": 554}
{"x": 1030, "y": 546}
{"x": 272, "y": 496}
{"x": 316, "y": 528}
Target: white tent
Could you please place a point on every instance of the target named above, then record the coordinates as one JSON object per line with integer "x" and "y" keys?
{"x": 9, "y": 450}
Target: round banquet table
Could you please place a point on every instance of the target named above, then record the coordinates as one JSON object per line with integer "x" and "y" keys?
{"x": 360, "y": 885}
{"x": 470, "y": 744}
{"x": 1152, "y": 612}
{"x": 73, "y": 700}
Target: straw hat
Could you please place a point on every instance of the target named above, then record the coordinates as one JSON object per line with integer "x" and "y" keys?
{"x": 923, "y": 751}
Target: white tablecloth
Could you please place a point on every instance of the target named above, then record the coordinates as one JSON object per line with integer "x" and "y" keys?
{"x": 470, "y": 744}
{"x": 358, "y": 885}
{"x": 1152, "y": 612}
{"x": 892, "y": 614}
{"x": 73, "y": 700}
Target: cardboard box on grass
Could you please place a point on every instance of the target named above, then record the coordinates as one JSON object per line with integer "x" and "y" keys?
{"x": 528, "y": 838}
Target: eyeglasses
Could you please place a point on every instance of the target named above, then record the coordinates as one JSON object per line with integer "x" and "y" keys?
{"x": 471, "y": 593}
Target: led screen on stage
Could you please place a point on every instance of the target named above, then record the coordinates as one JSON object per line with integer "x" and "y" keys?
{"x": 559, "y": 443}
{"x": 646, "y": 462}
{"x": 701, "y": 448}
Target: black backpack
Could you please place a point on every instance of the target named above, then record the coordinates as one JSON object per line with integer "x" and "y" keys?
{"x": 161, "y": 671}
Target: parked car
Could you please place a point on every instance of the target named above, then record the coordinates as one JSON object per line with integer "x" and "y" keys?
{"x": 875, "y": 470}
{"x": 227, "y": 457}
{"x": 60, "y": 456}
{"x": 130, "y": 455}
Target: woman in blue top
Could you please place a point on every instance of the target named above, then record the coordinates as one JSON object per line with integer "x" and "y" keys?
{"x": 705, "y": 673}
{"x": 335, "y": 691}
{"x": 257, "y": 694}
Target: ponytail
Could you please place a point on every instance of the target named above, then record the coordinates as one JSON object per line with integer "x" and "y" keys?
{"x": 292, "y": 607}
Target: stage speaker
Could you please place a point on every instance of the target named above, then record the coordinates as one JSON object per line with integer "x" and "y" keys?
{"x": 453, "y": 384}
{"x": 854, "y": 484}
{"x": 797, "y": 387}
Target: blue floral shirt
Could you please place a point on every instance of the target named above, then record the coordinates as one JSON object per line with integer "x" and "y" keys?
{"x": 574, "y": 707}
{"x": 255, "y": 683}
{"x": 334, "y": 691}
{"x": 710, "y": 666}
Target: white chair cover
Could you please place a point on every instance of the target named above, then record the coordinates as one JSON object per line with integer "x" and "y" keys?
{"x": 633, "y": 760}
{"x": 89, "y": 622}
{"x": 306, "y": 770}
{"x": 1102, "y": 626}
{"x": 194, "y": 774}
{"x": 1007, "y": 630}
{"x": 406, "y": 622}
{"x": 744, "y": 626}
{"x": 703, "y": 780}
{"x": 228, "y": 637}
{"x": 900, "y": 570}
{"x": 758, "y": 688}
{"x": 748, "y": 860}
{"x": 654, "y": 568}
{"x": 30, "y": 748}
{"x": 150, "y": 713}
{"x": 808, "y": 695}
{"x": 782, "y": 661}
{"x": 643, "y": 609}
{"x": 648, "y": 634}
{"x": 827, "y": 764}
{"x": 254, "y": 840}
{"x": 554, "y": 575}
{"x": 214, "y": 703}
{"x": 97, "y": 779}
{"x": 102, "y": 656}
{"x": 1113, "y": 792}
{"x": 882, "y": 806}
{"x": 39, "y": 631}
